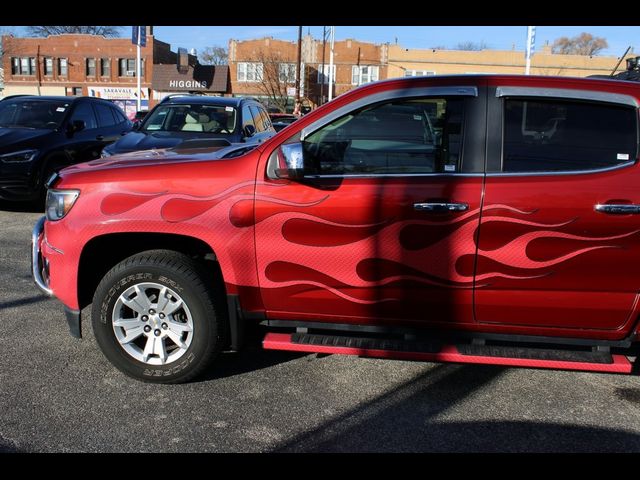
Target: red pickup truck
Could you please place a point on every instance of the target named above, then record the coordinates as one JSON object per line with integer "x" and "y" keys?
{"x": 474, "y": 219}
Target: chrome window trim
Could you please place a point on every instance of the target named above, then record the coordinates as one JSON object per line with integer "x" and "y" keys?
{"x": 393, "y": 175}
{"x": 568, "y": 93}
{"x": 562, "y": 172}
{"x": 387, "y": 95}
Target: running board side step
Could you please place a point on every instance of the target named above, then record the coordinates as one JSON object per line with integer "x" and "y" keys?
{"x": 432, "y": 352}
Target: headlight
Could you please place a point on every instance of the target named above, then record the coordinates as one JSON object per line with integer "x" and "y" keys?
{"x": 105, "y": 154}
{"x": 59, "y": 202}
{"x": 19, "y": 157}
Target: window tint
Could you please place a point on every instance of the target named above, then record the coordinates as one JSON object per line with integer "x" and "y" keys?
{"x": 84, "y": 112}
{"x": 118, "y": 115}
{"x": 401, "y": 137}
{"x": 557, "y": 135}
{"x": 105, "y": 118}
{"x": 247, "y": 118}
{"x": 261, "y": 118}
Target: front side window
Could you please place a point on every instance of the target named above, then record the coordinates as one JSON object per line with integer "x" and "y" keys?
{"x": 561, "y": 135}
{"x": 250, "y": 72}
{"x": 361, "y": 74}
{"x": 417, "y": 136}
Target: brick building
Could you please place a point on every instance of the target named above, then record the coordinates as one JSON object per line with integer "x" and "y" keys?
{"x": 92, "y": 65}
{"x": 360, "y": 62}
{"x": 355, "y": 63}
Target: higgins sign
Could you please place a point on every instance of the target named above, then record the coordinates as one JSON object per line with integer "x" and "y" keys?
{"x": 188, "y": 84}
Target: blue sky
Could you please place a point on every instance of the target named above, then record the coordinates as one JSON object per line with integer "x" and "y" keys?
{"x": 494, "y": 37}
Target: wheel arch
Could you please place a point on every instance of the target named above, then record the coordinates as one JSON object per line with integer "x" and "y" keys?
{"x": 103, "y": 252}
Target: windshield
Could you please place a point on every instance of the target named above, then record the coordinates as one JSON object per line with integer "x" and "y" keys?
{"x": 191, "y": 118}
{"x": 32, "y": 113}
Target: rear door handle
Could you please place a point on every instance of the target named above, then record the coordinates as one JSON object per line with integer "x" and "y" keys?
{"x": 100, "y": 137}
{"x": 440, "y": 207}
{"x": 617, "y": 209}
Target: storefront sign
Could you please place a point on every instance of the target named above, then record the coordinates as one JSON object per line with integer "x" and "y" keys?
{"x": 187, "y": 84}
{"x": 118, "y": 93}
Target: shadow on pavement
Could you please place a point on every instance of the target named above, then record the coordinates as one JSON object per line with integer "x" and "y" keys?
{"x": 406, "y": 419}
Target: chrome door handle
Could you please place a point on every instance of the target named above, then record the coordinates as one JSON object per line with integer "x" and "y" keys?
{"x": 617, "y": 209}
{"x": 438, "y": 207}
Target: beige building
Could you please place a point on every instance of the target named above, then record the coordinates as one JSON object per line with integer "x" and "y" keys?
{"x": 410, "y": 61}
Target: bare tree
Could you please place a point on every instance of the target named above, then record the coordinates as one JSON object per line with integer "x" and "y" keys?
{"x": 583, "y": 44}
{"x": 276, "y": 77}
{"x": 46, "y": 30}
{"x": 214, "y": 56}
{"x": 471, "y": 46}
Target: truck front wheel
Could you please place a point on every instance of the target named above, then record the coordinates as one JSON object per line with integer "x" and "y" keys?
{"x": 156, "y": 319}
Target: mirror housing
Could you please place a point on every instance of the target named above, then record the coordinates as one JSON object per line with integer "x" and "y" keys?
{"x": 291, "y": 161}
{"x": 249, "y": 131}
{"x": 136, "y": 125}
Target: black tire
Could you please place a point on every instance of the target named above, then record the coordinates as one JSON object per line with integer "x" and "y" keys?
{"x": 202, "y": 311}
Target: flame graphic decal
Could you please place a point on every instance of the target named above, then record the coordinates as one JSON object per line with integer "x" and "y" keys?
{"x": 305, "y": 252}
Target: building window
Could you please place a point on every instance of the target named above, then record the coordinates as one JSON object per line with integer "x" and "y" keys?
{"x": 23, "y": 66}
{"x": 361, "y": 74}
{"x": 323, "y": 73}
{"x": 91, "y": 67}
{"x": 105, "y": 67}
{"x": 63, "y": 67}
{"x": 48, "y": 66}
{"x": 250, "y": 72}
{"x": 127, "y": 67}
{"x": 287, "y": 72}
{"x": 418, "y": 73}
{"x": 77, "y": 91}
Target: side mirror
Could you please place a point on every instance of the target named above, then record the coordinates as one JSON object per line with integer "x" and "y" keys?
{"x": 136, "y": 125}
{"x": 249, "y": 130}
{"x": 291, "y": 161}
{"x": 76, "y": 126}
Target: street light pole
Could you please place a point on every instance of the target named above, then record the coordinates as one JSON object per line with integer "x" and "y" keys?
{"x": 298, "y": 68}
{"x": 331, "y": 67}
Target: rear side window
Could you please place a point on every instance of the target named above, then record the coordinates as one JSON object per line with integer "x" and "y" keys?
{"x": 105, "y": 117}
{"x": 558, "y": 135}
{"x": 118, "y": 115}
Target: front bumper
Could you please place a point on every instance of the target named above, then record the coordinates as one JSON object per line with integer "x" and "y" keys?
{"x": 40, "y": 273}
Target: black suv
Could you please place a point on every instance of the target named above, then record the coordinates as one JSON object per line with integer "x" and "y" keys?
{"x": 197, "y": 121}
{"x": 40, "y": 135}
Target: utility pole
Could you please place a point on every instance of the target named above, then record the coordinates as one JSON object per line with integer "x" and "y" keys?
{"x": 322, "y": 72}
{"x": 298, "y": 67}
{"x": 331, "y": 67}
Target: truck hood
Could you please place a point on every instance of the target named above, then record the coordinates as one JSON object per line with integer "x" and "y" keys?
{"x": 148, "y": 158}
{"x": 12, "y": 138}
{"x": 134, "y": 141}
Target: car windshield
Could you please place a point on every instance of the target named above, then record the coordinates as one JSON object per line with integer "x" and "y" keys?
{"x": 191, "y": 118}
{"x": 32, "y": 113}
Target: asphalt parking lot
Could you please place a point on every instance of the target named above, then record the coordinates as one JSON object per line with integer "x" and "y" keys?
{"x": 59, "y": 394}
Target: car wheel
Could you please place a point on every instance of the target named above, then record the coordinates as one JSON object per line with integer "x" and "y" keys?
{"x": 155, "y": 318}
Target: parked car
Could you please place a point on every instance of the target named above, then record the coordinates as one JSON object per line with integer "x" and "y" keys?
{"x": 40, "y": 135}
{"x": 179, "y": 118}
{"x": 469, "y": 219}
{"x": 281, "y": 120}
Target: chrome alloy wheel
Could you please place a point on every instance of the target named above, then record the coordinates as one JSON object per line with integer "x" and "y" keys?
{"x": 152, "y": 323}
